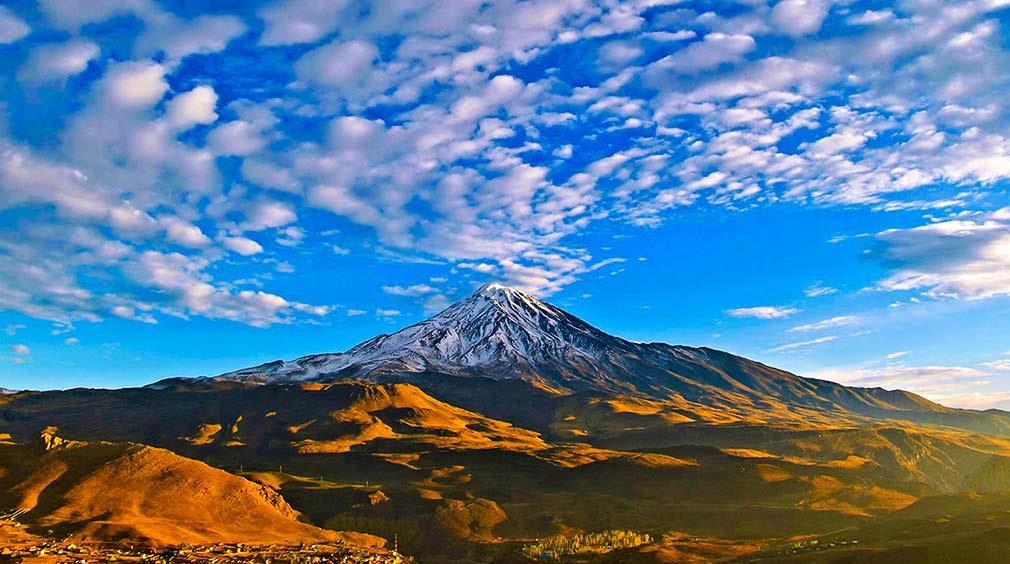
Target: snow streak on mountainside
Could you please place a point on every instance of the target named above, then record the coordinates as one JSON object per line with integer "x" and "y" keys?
{"x": 501, "y": 333}
{"x": 497, "y": 332}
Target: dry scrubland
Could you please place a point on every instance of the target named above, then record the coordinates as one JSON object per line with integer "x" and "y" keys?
{"x": 295, "y": 464}
{"x": 505, "y": 429}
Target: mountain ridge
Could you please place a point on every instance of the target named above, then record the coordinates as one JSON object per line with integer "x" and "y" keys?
{"x": 103, "y": 491}
{"x": 505, "y": 334}
{"x": 497, "y": 329}
{"x": 508, "y": 418}
{"x": 476, "y": 462}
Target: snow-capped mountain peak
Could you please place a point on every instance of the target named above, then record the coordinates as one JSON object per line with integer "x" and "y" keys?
{"x": 494, "y": 325}
{"x": 498, "y": 329}
{"x": 492, "y": 288}
{"x": 503, "y": 333}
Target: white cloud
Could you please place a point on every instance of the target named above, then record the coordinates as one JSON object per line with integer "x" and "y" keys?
{"x": 342, "y": 201}
{"x": 177, "y": 38}
{"x": 435, "y": 303}
{"x": 498, "y": 91}
{"x": 989, "y": 399}
{"x": 817, "y": 290}
{"x": 12, "y": 28}
{"x": 482, "y": 267}
{"x": 803, "y": 344}
{"x": 838, "y": 142}
{"x": 387, "y": 313}
{"x": 130, "y": 313}
{"x": 680, "y": 35}
{"x": 58, "y": 61}
{"x": 967, "y": 259}
{"x": 134, "y": 85}
{"x": 237, "y": 137}
{"x": 459, "y": 170}
{"x": 195, "y": 107}
{"x": 763, "y": 312}
{"x": 24, "y": 177}
{"x": 799, "y": 17}
{"x": 340, "y": 64}
{"x": 352, "y": 132}
{"x": 125, "y": 218}
{"x": 299, "y": 21}
{"x": 829, "y": 323}
{"x": 190, "y": 291}
{"x": 267, "y": 214}
{"x": 269, "y": 175}
{"x": 73, "y": 14}
{"x": 414, "y": 290}
{"x": 713, "y": 50}
{"x": 619, "y": 53}
{"x": 20, "y": 349}
{"x": 242, "y": 245}
{"x": 896, "y": 355}
{"x": 290, "y": 236}
{"x": 182, "y": 232}
{"x": 765, "y": 76}
{"x": 871, "y": 17}
{"x": 955, "y": 386}
{"x": 71, "y": 341}
{"x": 1002, "y": 365}
{"x": 38, "y": 279}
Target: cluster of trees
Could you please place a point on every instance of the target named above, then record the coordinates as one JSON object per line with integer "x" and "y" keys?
{"x": 555, "y": 548}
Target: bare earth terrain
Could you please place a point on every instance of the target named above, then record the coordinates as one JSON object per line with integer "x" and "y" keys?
{"x": 503, "y": 430}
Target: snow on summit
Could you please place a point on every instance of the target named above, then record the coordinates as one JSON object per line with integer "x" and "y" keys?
{"x": 502, "y": 333}
{"x": 499, "y": 330}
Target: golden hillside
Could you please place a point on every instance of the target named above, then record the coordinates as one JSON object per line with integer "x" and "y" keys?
{"x": 106, "y": 491}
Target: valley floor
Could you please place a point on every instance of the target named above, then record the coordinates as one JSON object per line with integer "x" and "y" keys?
{"x": 294, "y": 471}
{"x": 17, "y": 545}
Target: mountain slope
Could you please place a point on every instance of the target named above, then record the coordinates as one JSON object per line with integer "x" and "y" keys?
{"x": 507, "y": 335}
{"x": 108, "y": 491}
{"x": 496, "y": 331}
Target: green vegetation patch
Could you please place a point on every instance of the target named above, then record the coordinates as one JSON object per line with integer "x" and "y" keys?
{"x": 559, "y": 547}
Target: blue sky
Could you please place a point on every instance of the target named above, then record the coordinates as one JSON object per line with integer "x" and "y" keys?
{"x": 188, "y": 188}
